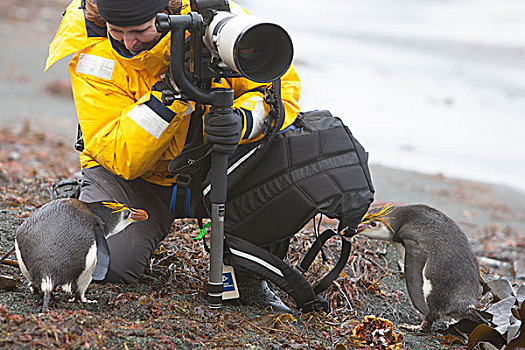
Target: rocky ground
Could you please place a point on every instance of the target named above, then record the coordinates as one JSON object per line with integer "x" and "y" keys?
{"x": 168, "y": 309}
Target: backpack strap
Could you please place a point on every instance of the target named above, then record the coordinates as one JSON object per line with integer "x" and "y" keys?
{"x": 245, "y": 255}
{"x": 272, "y": 125}
{"x": 187, "y": 165}
{"x": 316, "y": 248}
{"x": 277, "y": 113}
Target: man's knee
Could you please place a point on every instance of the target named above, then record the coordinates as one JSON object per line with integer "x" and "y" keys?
{"x": 130, "y": 250}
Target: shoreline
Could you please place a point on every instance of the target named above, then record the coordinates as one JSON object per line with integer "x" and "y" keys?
{"x": 466, "y": 201}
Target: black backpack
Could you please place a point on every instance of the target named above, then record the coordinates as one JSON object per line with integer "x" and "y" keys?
{"x": 275, "y": 186}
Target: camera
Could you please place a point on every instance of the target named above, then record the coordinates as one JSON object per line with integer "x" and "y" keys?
{"x": 226, "y": 44}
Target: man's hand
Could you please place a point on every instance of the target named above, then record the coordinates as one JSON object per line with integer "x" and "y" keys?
{"x": 223, "y": 131}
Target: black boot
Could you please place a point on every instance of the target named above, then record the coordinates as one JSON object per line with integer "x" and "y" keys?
{"x": 68, "y": 188}
{"x": 256, "y": 292}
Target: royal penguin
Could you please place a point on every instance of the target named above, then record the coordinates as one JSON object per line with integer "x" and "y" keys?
{"x": 441, "y": 271}
{"x": 63, "y": 241}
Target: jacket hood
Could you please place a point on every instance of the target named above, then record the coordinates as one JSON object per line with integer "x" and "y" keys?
{"x": 77, "y": 33}
{"x": 72, "y": 35}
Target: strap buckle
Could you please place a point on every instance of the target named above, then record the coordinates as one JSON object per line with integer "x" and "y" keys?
{"x": 271, "y": 101}
{"x": 183, "y": 180}
{"x": 318, "y": 304}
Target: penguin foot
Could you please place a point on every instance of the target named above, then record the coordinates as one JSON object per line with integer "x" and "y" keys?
{"x": 34, "y": 289}
{"x": 83, "y": 299}
{"x": 86, "y": 300}
{"x": 423, "y": 327}
{"x": 410, "y": 327}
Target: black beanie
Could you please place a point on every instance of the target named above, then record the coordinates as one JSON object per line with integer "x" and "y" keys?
{"x": 125, "y": 13}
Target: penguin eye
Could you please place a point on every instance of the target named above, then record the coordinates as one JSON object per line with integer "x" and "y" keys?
{"x": 373, "y": 224}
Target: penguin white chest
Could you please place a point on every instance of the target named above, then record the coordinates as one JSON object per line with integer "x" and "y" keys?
{"x": 85, "y": 277}
{"x": 427, "y": 284}
{"x": 23, "y": 267}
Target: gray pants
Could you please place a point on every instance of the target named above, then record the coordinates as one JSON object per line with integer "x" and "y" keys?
{"x": 131, "y": 249}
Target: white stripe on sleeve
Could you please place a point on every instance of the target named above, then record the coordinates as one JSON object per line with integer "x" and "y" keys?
{"x": 95, "y": 65}
{"x": 148, "y": 120}
{"x": 259, "y": 115}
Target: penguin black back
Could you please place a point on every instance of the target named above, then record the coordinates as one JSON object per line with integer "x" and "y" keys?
{"x": 57, "y": 245}
{"x": 54, "y": 242}
{"x": 445, "y": 244}
{"x": 441, "y": 271}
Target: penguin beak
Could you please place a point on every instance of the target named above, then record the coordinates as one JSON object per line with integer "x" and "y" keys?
{"x": 139, "y": 215}
{"x": 361, "y": 227}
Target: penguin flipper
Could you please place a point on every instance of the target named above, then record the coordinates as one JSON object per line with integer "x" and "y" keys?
{"x": 415, "y": 261}
{"x": 103, "y": 258}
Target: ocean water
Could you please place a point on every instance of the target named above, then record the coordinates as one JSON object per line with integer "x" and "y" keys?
{"x": 436, "y": 86}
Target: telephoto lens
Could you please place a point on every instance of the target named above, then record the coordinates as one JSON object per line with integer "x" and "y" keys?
{"x": 259, "y": 50}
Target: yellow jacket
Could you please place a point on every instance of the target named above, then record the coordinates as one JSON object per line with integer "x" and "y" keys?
{"x": 125, "y": 126}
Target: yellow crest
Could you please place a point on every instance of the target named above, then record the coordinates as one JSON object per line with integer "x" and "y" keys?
{"x": 116, "y": 206}
{"x": 380, "y": 214}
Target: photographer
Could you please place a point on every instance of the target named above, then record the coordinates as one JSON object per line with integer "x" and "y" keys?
{"x": 128, "y": 136}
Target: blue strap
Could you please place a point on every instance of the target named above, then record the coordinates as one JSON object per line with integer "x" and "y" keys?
{"x": 187, "y": 208}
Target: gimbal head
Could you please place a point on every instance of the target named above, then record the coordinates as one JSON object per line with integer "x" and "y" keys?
{"x": 178, "y": 24}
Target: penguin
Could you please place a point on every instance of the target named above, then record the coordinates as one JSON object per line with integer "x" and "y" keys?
{"x": 441, "y": 271}
{"x": 63, "y": 244}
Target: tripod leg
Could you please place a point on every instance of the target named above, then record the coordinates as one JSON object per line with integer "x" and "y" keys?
{"x": 219, "y": 167}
